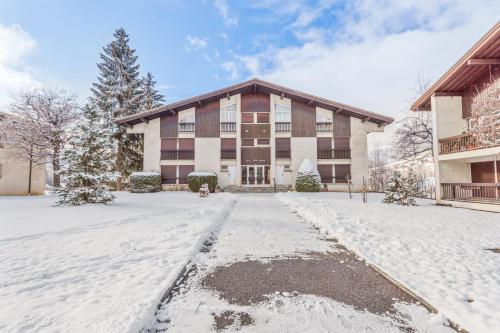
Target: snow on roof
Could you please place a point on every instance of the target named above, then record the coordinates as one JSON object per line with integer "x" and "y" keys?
{"x": 145, "y": 173}
{"x": 308, "y": 166}
{"x": 202, "y": 173}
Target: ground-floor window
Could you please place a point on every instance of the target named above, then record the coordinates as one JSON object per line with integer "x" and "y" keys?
{"x": 341, "y": 172}
{"x": 325, "y": 172}
{"x": 175, "y": 174}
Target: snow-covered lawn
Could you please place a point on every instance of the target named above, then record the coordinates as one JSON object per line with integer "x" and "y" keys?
{"x": 97, "y": 268}
{"x": 438, "y": 252}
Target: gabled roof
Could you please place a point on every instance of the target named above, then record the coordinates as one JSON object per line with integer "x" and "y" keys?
{"x": 471, "y": 66}
{"x": 256, "y": 85}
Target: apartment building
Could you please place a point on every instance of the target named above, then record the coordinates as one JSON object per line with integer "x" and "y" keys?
{"x": 256, "y": 134}
{"x": 465, "y": 103}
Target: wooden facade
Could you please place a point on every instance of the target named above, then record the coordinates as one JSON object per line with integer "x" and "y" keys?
{"x": 255, "y": 102}
{"x": 168, "y": 126}
{"x": 303, "y": 120}
{"x": 256, "y": 156}
{"x": 341, "y": 125}
{"x": 208, "y": 120}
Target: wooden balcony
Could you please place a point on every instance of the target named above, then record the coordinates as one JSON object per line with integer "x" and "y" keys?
{"x": 282, "y": 127}
{"x": 329, "y": 154}
{"x": 324, "y": 127}
{"x": 177, "y": 155}
{"x": 282, "y": 154}
{"x": 471, "y": 192}
{"x": 227, "y": 127}
{"x": 228, "y": 154}
{"x": 186, "y": 127}
{"x": 465, "y": 142}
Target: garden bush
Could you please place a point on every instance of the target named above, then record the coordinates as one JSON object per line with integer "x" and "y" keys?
{"x": 308, "y": 179}
{"x": 198, "y": 178}
{"x": 145, "y": 182}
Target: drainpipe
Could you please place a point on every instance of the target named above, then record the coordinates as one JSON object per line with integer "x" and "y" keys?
{"x": 496, "y": 175}
{"x": 31, "y": 169}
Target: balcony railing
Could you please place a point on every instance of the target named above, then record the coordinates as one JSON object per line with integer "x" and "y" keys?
{"x": 177, "y": 155}
{"x": 328, "y": 154}
{"x": 228, "y": 154}
{"x": 471, "y": 191}
{"x": 186, "y": 127}
{"x": 282, "y": 154}
{"x": 324, "y": 127}
{"x": 465, "y": 142}
{"x": 228, "y": 127}
{"x": 282, "y": 127}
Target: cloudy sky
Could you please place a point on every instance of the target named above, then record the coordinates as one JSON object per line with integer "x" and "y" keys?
{"x": 365, "y": 53}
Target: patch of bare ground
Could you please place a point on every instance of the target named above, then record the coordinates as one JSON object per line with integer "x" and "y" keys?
{"x": 228, "y": 319}
{"x": 495, "y": 250}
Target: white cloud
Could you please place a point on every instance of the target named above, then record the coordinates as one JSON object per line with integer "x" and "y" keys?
{"x": 227, "y": 15}
{"x": 373, "y": 55}
{"x": 232, "y": 69}
{"x": 196, "y": 43}
{"x": 15, "y": 45}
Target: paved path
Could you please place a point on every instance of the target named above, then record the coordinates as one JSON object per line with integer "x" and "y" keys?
{"x": 270, "y": 271}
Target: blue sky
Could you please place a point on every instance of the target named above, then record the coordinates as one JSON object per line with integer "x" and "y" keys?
{"x": 368, "y": 53}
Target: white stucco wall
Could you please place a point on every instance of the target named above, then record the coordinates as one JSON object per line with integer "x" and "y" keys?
{"x": 359, "y": 153}
{"x": 454, "y": 172}
{"x": 448, "y": 116}
{"x": 14, "y": 177}
{"x": 152, "y": 146}
{"x": 302, "y": 148}
{"x": 207, "y": 154}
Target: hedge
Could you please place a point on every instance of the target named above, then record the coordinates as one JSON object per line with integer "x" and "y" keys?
{"x": 145, "y": 182}
{"x": 196, "y": 179}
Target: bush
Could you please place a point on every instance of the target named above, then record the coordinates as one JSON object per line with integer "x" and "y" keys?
{"x": 198, "y": 178}
{"x": 145, "y": 182}
{"x": 308, "y": 179}
{"x": 402, "y": 190}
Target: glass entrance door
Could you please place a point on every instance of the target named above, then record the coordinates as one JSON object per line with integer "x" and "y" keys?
{"x": 255, "y": 175}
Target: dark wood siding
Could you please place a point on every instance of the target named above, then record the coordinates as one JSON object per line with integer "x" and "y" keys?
{"x": 256, "y": 131}
{"x": 207, "y": 119}
{"x": 259, "y": 156}
{"x": 262, "y": 141}
{"x": 184, "y": 171}
{"x": 168, "y": 126}
{"x": 324, "y": 143}
{"x": 468, "y": 105}
{"x": 247, "y": 118}
{"x": 341, "y": 125}
{"x": 325, "y": 172}
{"x": 303, "y": 120}
{"x": 262, "y": 117}
{"x": 186, "y": 144}
{"x": 228, "y": 143}
{"x": 168, "y": 144}
{"x": 247, "y": 142}
{"x": 341, "y": 171}
{"x": 255, "y": 102}
{"x": 341, "y": 143}
{"x": 283, "y": 144}
{"x": 482, "y": 172}
{"x": 168, "y": 174}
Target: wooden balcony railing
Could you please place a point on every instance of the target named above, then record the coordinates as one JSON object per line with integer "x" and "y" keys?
{"x": 465, "y": 142}
{"x": 282, "y": 154}
{"x": 324, "y": 127}
{"x": 228, "y": 154}
{"x": 228, "y": 127}
{"x": 328, "y": 154}
{"x": 282, "y": 127}
{"x": 177, "y": 155}
{"x": 471, "y": 191}
{"x": 186, "y": 127}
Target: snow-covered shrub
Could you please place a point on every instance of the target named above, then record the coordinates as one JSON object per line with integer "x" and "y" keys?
{"x": 308, "y": 179}
{"x": 145, "y": 182}
{"x": 198, "y": 178}
{"x": 401, "y": 189}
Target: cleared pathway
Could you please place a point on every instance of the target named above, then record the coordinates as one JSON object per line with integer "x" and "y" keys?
{"x": 269, "y": 271}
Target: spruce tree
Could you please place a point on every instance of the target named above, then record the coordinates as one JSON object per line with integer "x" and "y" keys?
{"x": 401, "y": 189}
{"x": 151, "y": 98}
{"x": 118, "y": 94}
{"x": 87, "y": 169}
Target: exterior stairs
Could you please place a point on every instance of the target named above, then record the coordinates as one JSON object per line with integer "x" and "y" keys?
{"x": 249, "y": 189}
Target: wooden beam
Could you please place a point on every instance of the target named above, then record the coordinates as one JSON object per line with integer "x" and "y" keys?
{"x": 365, "y": 119}
{"x": 338, "y": 111}
{"x": 128, "y": 125}
{"x": 282, "y": 95}
{"x": 381, "y": 125}
{"x": 200, "y": 103}
{"x": 172, "y": 112}
{"x": 483, "y": 62}
{"x": 310, "y": 102}
{"x": 255, "y": 88}
{"x": 228, "y": 96}
{"x": 145, "y": 120}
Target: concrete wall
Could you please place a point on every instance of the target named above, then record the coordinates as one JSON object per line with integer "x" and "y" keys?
{"x": 14, "y": 175}
{"x": 152, "y": 143}
{"x": 207, "y": 154}
{"x": 359, "y": 153}
{"x": 301, "y": 148}
{"x": 454, "y": 172}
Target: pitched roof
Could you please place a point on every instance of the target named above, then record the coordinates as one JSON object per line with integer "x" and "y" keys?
{"x": 256, "y": 85}
{"x": 472, "y": 65}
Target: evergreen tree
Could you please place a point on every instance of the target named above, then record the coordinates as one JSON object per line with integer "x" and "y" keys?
{"x": 151, "y": 98}
{"x": 118, "y": 94}
{"x": 308, "y": 178}
{"x": 88, "y": 165}
{"x": 402, "y": 190}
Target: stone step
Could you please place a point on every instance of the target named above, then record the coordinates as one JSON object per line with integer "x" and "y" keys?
{"x": 242, "y": 189}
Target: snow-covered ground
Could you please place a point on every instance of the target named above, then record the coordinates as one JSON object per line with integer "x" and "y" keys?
{"x": 97, "y": 268}
{"x": 438, "y": 252}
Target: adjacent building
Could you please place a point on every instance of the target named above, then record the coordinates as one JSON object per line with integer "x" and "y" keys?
{"x": 256, "y": 134}
{"x": 465, "y": 103}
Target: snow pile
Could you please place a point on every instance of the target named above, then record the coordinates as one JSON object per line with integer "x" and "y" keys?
{"x": 202, "y": 174}
{"x": 145, "y": 173}
{"x": 438, "y": 252}
{"x": 97, "y": 268}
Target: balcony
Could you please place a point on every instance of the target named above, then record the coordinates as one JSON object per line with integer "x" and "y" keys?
{"x": 282, "y": 154}
{"x": 228, "y": 127}
{"x": 177, "y": 155}
{"x": 324, "y": 127}
{"x": 471, "y": 192}
{"x": 329, "y": 154}
{"x": 282, "y": 127}
{"x": 186, "y": 127}
{"x": 228, "y": 154}
{"x": 466, "y": 142}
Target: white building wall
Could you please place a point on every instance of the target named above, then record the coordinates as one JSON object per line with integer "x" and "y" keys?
{"x": 14, "y": 175}
{"x": 302, "y": 148}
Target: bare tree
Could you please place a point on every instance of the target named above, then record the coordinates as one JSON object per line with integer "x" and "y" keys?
{"x": 40, "y": 123}
{"x": 378, "y": 170}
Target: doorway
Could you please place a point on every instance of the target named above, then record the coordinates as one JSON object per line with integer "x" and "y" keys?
{"x": 255, "y": 175}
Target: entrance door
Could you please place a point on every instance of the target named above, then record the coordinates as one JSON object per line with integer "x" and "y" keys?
{"x": 255, "y": 175}
{"x": 280, "y": 174}
{"x": 232, "y": 174}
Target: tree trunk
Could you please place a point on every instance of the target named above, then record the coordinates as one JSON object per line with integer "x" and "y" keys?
{"x": 56, "y": 167}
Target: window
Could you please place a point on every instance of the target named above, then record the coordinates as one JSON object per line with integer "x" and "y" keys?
{"x": 283, "y": 113}
{"x": 323, "y": 116}
{"x": 188, "y": 118}
{"x": 228, "y": 114}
